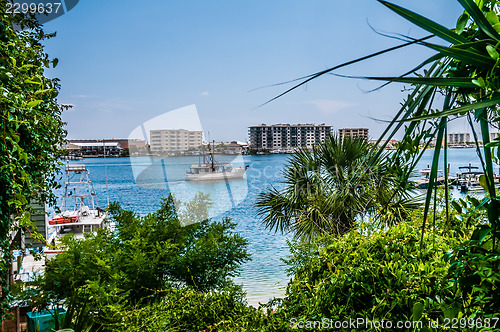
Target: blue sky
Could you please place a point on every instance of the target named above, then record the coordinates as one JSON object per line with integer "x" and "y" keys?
{"x": 124, "y": 62}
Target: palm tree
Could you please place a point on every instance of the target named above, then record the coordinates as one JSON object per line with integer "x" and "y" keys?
{"x": 329, "y": 189}
{"x": 467, "y": 74}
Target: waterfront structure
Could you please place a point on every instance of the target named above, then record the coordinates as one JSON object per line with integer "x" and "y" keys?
{"x": 114, "y": 147}
{"x": 93, "y": 148}
{"x": 391, "y": 144}
{"x": 458, "y": 138}
{"x": 287, "y": 137}
{"x": 175, "y": 140}
{"x": 353, "y": 132}
{"x": 235, "y": 147}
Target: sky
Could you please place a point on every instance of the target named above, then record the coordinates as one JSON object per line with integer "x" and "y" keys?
{"x": 123, "y": 63}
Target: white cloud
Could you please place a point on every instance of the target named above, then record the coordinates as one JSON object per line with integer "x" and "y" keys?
{"x": 204, "y": 93}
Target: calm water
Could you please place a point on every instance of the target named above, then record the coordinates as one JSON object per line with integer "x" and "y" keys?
{"x": 140, "y": 183}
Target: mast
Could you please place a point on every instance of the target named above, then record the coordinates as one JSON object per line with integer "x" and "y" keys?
{"x": 212, "y": 155}
{"x": 105, "y": 170}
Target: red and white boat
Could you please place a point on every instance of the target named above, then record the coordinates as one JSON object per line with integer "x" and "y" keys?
{"x": 80, "y": 211}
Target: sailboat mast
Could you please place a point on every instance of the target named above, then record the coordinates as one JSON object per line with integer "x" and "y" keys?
{"x": 105, "y": 170}
{"x": 213, "y": 145}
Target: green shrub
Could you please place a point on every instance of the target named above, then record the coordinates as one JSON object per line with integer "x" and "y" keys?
{"x": 385, "y": 275}
{"x": 189, "y": 310}
{"x": 150, "y": 259}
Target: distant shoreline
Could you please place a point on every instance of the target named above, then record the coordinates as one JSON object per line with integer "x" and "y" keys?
{"x": 222, "y": 154}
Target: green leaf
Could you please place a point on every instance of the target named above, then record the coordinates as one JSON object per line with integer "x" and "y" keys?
{"x": 461, "y": 23}
{"x": 466, "y": 55}
{"x": 418, "y": 309}
{"x": 34, "y": 103}
{"x": 32, "y": 82}
{"x": 434, "y": 169}
{"x": 43, "y": 91}
{"x": 492, "y": 17}
{"x": 457, "y": 206}
{"x": 306, "y": 79}
{"x": 460, "y": 110}
{"x": 483, "y": 182}
{"x": 481, "y": 233}
{"x": 492, "y": 52}
{"x": 479, "y": 18}
{"x": 479, "y": 82}
{"x": 426, "y": 24}
{"x": 462, "y": 82}
{"x": 55, "y": 62}
{"x": 451, "y": 311}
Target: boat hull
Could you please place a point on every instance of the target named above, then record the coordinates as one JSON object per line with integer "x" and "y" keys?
{"x": 235, "y": 173}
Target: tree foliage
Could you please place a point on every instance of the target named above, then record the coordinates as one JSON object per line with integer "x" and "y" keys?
{"x": 188, "y": 310}
{"x": 101, "y": 278}
{"x": 31, "y": 130}
{"x": 373, "y": 274}
{"x": 328, "y": 190}
{"x": 459, "y": 80}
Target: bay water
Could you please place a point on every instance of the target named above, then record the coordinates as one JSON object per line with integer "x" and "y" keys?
{"x": 140, "y": 184}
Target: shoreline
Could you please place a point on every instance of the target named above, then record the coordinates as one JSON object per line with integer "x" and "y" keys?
{"x": 73, "y": 158}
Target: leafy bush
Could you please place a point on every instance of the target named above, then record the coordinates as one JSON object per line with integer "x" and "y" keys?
{"x": 384, "y": 275}
{"x": 475, "y": 264}
{"x": 32, "y": 130}
{"x": 147, "y": 259}
{"x": 188, "y": 310}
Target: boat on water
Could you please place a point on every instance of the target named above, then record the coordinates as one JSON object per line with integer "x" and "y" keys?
{"x": 423, "y": 182}
{"x": 208, "y": 169}
{"x": 71, "y": 157}
{"x": 80, "y": 211}
{"x": 468, "y": 179}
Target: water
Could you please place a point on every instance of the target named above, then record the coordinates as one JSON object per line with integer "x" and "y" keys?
{"x": 138, "y": 184}
{"x": 264, "y": 276}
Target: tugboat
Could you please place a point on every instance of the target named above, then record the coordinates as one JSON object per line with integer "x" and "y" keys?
{"x": 210, "y": 170}
{"x": 80, "y": 211}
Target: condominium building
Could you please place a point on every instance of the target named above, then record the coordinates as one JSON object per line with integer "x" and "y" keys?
{"x": 287, "y": 137}
{"x": 353, "y": 132}
{"x": 458, "y": 138}
{"x": 174, "y": 140}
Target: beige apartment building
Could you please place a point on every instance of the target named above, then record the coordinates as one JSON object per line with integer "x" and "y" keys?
{"x": 174, "y": 140}
{"x": 353, "y": 132}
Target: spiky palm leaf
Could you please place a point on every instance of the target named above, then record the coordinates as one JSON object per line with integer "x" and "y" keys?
{"x": 328, "y": 190}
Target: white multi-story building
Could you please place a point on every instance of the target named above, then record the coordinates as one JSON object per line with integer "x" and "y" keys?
{"x": 286, "y": 137}
{"x": 458, "y": 138}
{"x": 175, "y": 140}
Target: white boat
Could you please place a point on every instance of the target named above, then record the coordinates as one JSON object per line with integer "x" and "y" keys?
{"x": 423, "y": 182}
{"x": 468, "y": 179}
{"x": 210, "y": 170}
{"x": 80, "y": 211}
